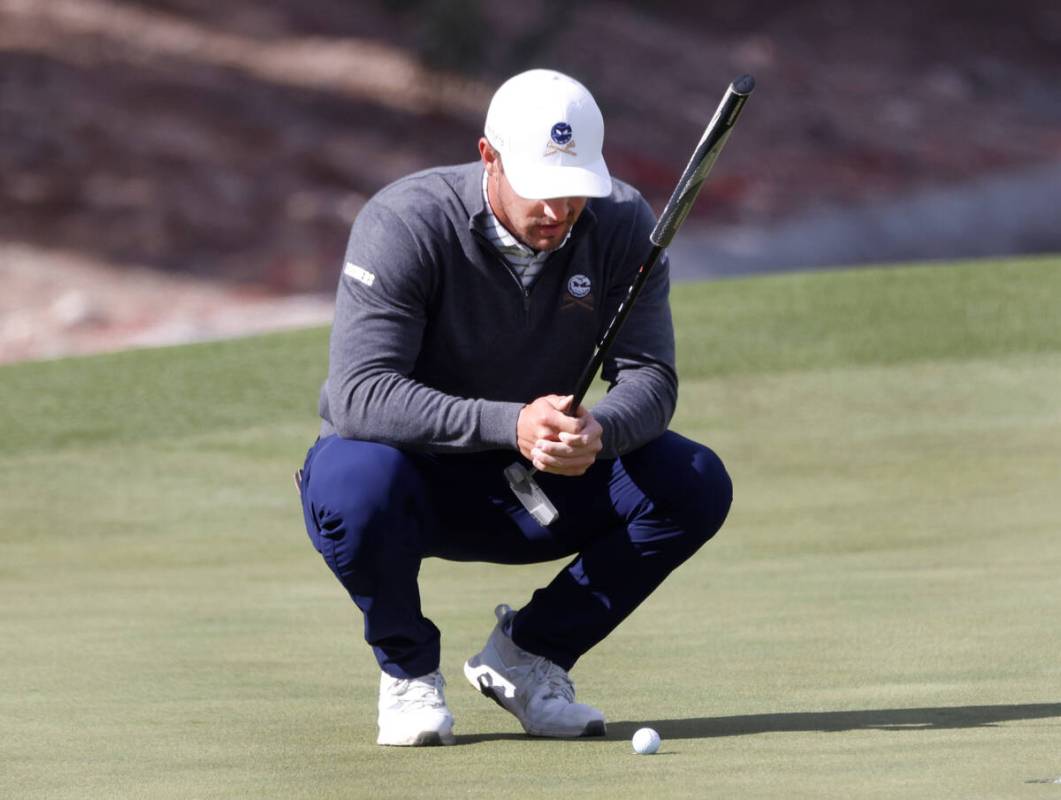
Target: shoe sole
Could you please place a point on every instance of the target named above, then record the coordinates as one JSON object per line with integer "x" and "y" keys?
{"x": 425, "y": 739}
{"x": 594, "y": 728}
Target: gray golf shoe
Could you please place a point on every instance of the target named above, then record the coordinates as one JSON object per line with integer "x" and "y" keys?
{"x": 536, "y": 691}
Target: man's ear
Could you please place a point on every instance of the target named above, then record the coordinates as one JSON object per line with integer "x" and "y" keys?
{"x": 490, "y": 157}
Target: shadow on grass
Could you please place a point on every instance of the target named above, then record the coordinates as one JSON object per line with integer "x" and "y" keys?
{"x": 892, "y": 719}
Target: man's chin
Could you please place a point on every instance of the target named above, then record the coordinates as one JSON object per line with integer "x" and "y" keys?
{"x": 548, "y": 242}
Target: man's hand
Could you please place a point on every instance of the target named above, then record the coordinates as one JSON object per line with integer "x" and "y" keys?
{"x": 555, "y": 442}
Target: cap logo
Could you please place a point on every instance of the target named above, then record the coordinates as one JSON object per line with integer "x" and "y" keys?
{"x": 562, "y": 140}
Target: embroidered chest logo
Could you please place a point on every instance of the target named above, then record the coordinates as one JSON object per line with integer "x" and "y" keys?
{"x": 579, "y": 286}
{"x": 562, "y": 140}
{"x": 579, "y": 293}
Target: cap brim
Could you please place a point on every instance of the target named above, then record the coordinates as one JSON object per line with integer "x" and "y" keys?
{"x": 537, "y": 182}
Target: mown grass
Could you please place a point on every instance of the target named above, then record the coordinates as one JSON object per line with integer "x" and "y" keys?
{"x": 877, "y": 618}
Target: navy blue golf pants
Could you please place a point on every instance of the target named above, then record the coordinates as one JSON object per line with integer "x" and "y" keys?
{"x": 375, "y": 512}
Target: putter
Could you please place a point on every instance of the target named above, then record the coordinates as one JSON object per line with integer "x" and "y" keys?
{"x": 521, "y": 478}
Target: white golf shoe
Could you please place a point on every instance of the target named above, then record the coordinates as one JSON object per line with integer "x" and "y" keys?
{"x": 413, "y": 711}
{"x": 534, "y": 689}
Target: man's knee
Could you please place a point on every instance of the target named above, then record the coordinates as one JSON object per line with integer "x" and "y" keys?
{"x": 686, "y": 481}
{"x": 355, "y": 493}
{"x": 714, "y": 495}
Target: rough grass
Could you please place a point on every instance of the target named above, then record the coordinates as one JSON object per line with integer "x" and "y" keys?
{"x": 878, "y": 618}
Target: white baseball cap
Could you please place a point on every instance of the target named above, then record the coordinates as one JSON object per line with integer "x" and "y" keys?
{"x": 549, "y": 132}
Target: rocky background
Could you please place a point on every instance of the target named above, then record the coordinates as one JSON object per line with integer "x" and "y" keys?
{"x": 181, "y": 169}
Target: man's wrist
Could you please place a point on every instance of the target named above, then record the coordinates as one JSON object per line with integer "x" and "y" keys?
{"x": 498, "y": 424}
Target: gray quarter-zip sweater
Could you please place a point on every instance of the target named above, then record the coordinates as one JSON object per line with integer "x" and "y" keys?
{"x": 436, "y": 345}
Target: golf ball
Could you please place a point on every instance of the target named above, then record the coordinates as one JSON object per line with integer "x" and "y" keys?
{"x": 646, "y": 741}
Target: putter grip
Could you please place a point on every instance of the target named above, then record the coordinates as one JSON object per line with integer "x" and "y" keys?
{"x": 703, "y": 158}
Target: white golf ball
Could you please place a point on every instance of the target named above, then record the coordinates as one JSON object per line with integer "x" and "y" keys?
{"x": 646, "y": 741}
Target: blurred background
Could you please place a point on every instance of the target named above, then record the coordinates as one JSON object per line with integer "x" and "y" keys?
{"x": 184, "y": 169}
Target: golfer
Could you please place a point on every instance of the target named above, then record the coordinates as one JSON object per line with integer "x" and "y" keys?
{"x": 470, "y": 299}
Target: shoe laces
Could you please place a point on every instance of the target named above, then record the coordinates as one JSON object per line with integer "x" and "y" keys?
{"x": 555, "y": 682}
{"x": 550, "y": 680}
{"x": 422, "y": 692}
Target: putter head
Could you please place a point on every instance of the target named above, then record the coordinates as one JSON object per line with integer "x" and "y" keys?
{"x": 530, "y": 494}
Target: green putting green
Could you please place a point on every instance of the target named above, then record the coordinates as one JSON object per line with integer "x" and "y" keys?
{"x": 878, "y": 617}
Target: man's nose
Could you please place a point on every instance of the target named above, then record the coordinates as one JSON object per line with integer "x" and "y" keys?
{"x": 557, "y": 208}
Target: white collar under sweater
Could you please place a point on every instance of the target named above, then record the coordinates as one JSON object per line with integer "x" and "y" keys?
{"x": 526, "y": 262}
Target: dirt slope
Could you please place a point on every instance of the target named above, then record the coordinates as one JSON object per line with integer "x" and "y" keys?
{"x": 236, "y": 140}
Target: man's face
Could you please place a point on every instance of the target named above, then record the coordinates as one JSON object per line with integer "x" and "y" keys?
{"x": 539, "y": 224}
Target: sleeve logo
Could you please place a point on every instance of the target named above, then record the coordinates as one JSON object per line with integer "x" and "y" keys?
{"x": 359, "y": 274}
